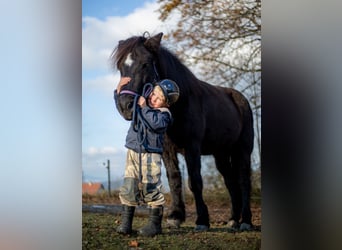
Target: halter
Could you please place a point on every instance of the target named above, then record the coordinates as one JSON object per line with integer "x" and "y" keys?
{"x": 128, "y": 92}
{"x": 145, "y": 93}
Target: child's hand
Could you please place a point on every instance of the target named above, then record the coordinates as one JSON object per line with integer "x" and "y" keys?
{"x": 123, "y": 81}
{"x": 142, "y": 101}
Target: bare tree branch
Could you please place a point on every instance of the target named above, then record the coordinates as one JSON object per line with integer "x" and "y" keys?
{"x": 221, "y": 38}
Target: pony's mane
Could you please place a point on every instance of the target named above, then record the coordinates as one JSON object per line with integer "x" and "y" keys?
{"x": 173, "y": 68}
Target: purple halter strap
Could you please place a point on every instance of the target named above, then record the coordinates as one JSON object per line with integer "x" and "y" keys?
{"x": 146, "y": 91}
{"x": 128, "y": 92}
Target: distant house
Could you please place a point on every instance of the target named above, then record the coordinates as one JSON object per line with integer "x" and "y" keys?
{"x": 92, "y": 188}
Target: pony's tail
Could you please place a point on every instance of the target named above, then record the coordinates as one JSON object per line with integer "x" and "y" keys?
{"x": 246, "y": 116}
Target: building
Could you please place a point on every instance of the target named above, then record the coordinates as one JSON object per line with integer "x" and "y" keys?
{"x": 92, "y": 188}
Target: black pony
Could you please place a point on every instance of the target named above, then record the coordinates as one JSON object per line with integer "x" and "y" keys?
{"x": 208, "y": 120}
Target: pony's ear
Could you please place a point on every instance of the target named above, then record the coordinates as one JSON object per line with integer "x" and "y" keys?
{"x": 153, "y": 43}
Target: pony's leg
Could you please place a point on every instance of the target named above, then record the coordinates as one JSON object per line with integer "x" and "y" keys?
{"x": 241, "y": 163}
{"x": 193, "y": 162}
{"x": 177, "y": 213}
{"x": 231, "y": 179}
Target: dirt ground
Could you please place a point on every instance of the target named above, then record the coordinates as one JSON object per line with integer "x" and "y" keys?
{"x": 98, "y": 229}
{"x": 218, "y": 206}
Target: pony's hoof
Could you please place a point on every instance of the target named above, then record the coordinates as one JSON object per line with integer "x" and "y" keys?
{"x": 173, "y": 223}
{"x": 201, "y": 228}
{"x": 246, "y": 227}
{"x": 233, "y": 224}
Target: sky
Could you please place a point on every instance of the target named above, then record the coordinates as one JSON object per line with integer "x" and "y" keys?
{"x": 104, "y": 23}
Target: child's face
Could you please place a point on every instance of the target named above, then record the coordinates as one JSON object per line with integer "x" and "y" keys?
{"x": 156, "y": 99}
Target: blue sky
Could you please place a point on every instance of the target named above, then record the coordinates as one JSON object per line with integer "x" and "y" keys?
{"x": 104, "y": 23}
{"x": 104, "y": 8}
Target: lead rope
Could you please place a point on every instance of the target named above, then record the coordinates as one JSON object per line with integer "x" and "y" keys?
{"x": 140, "y": 128}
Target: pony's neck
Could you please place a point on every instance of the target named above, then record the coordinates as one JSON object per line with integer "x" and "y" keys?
{"x": 172, "y": 68}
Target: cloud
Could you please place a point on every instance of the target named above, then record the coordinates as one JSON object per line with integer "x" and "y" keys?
{"x": 93, "y": 151}
{"x": 104, "y": 82}
{"x": 94, "y": 162}
{"x": 100, "y": 37}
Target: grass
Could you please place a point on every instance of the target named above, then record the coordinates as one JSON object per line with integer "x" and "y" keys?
{"x": 98, "y": 232}
{"x": 98, "y": 229}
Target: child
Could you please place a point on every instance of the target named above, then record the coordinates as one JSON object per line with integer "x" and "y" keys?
{"x": 157, "y": 118}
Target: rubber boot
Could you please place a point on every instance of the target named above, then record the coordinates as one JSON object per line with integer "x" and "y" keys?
{"x": 126, "y": 220}
{"x": 154, "y": 225}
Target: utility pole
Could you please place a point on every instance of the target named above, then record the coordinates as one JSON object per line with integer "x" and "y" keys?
{"x": 108, "y": 168}
{"x": 183, "y": 181}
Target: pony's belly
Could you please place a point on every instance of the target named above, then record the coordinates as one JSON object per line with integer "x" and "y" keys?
{"x": 211, "y": 149}
{"x": 213, "y": 144}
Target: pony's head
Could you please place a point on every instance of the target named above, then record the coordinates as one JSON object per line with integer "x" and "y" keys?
{"x": 136, "y": 58}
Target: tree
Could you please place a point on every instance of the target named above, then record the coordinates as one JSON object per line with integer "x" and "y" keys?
{"x": 222, "y": 40}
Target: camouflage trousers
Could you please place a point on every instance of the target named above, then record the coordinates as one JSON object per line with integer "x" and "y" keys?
{"x": 151, "y": 180}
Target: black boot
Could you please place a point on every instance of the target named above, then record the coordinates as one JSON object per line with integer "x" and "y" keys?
{"x": 154, "y": 225}
{"x": 126, "y": 220}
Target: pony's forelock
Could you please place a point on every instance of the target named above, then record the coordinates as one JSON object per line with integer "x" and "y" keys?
{"x": 124, "y": 48}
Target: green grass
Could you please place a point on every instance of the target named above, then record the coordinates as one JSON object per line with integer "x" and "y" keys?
{"x": 98, "y": 232}
{"x": 98, "y": 229}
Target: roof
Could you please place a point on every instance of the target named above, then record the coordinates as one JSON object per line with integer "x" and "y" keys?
{"x": 92, "y": 187}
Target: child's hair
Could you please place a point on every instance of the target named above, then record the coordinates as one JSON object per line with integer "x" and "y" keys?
{"x": 158, "y": 90}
